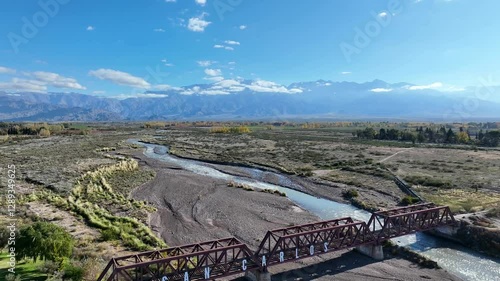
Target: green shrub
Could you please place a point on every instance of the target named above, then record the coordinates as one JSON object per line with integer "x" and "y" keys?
{"x": 44, "y": 240}
{"x": 428, "y": 181}
{"x": 409, "y": 200}
{"x": 73, "y": 272}
{"x": 12, "y": 277}
{"x": 349, "y": 194}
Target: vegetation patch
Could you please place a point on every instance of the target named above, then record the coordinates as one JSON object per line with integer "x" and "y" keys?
{"x": 350, "y": 193}
{"x": 428, "y": 181}
{"x": 240, "y": 185}
{"x": 273, "y": 191}
{"x": 462, "y": 201}
{"x": 94, "y": 199}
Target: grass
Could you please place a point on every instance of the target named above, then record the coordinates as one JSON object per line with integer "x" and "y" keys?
{"x": 494, "y": 212}
{"x": 28, "y": 270}
{"x": 462, "y": 201}
{"x": 95, "y": 201}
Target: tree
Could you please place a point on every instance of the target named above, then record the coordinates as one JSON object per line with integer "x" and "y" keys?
{"x": 450, "y": 136}
{"x": 463, "y": 137}
{"x": 44, "y": 132}
{"x": 382, "y": 135}
{"x": 480, "y": 136}
{"x": 491, "y": 139}
{"x": 420, "y": 137}
{"x": 43, "y": 240}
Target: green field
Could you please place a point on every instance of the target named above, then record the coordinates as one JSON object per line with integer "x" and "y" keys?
{"x": 26, "y": 269}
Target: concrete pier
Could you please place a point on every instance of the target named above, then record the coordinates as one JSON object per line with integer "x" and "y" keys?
{"x": 374, "y": 251}
{"x": 257, "y": 275}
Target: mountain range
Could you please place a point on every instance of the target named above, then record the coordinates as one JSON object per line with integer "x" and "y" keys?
{"x": 245, "y": 99}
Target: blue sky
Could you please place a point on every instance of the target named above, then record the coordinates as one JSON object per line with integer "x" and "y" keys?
{"x": 124, "y": 47}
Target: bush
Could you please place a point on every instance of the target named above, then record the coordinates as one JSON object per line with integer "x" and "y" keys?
{"x": 428, "y": 181}
{"x": 110, "y": 234}
{"x": 49, "y": 267}
{"x": 12, "y": 277}
{"x": 409, "y": 200}
{"x": 44, "y": 240}
{"x": 73, "y": 272}
{"x": 349, "y": 194}
{"x": 494, "y": 212}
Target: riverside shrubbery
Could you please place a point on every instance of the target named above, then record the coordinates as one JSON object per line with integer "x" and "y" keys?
{"x": 230, "y": 130}
{"x": 92, "y": 192}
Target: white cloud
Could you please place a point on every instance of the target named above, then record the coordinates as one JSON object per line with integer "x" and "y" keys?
{"x": 159, "y": 30}
{"x": 345, "y": 72}
{"x": 213, "y": 72}
{"x": 6, "y": 70}
{"x": 166, "y": 63}
{"x": 214, "y": 78}
{"x": 381, "y": 90}
{"x": 17, "y": 84}
{"x": 99, "y": 92}
{"x": 120, "y": 78}
{"x": 205, "y": 63}
{"x": 382, "y": 14}
{"x": 201, "y": 2}
{"x": 139, "y": 95}
{"x": 227, "y": 86}
{"x": 90, "y": 28}
{"x": 194, "y": 90}
{"x": 223, "y": 47}
{"x": 243, "y": 27}
{"x": 231, "y": 42}
{"x": 165, "y": 87}
{"x": 271, "y": 87}
{"x": 170, "y": 1}
{"x": 214, "y": 92}
{"x": 453, "y": 89}
{"x": 198, "y": 24}
{"x": 425, "y": 87}
{"x": 151, "y": 95}
{"x": 58, "y": 81}
{"x": 231, "y": 63}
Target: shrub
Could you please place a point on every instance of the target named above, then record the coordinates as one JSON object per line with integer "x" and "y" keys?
{"x": 409, "y": 200}
{"x": 349, "y": 194}
{"x": 12, "y": 277}
{"x": 73, "y": 272}
{"x": 49, "y": 267}
{"x": 44, "y": 240}
{"x": 494, "y": 212}
{"x": 44, "y": 132}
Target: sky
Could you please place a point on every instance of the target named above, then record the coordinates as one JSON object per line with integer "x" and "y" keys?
{"x": 126, "y": 47}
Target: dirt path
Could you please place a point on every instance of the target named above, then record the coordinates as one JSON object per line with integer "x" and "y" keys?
{"x": 387, "y": 158}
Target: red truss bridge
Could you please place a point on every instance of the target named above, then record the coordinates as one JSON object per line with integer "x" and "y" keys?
{"x": 224, "y": 257}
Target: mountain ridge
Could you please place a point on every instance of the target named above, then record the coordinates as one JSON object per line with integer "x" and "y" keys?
{"x": 247, "y": 99}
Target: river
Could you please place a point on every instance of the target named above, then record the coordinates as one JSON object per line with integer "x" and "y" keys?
{"x": 454, "y": 258}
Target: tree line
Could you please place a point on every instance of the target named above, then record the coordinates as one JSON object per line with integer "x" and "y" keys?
{"x": 429, "y": 135}
{"x": 38, "y": 129}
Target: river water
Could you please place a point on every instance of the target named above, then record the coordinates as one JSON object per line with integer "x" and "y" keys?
{"x": 452, "y": 257}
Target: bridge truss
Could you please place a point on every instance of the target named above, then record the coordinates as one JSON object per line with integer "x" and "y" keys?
{"x": 224, "y": 257}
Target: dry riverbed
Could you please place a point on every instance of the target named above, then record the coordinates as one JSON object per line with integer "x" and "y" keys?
{"x": 194, "y": 208}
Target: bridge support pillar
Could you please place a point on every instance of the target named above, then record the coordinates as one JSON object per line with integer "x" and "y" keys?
{"x": 257, "y": 275}
{"x": 374, "y": 251}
